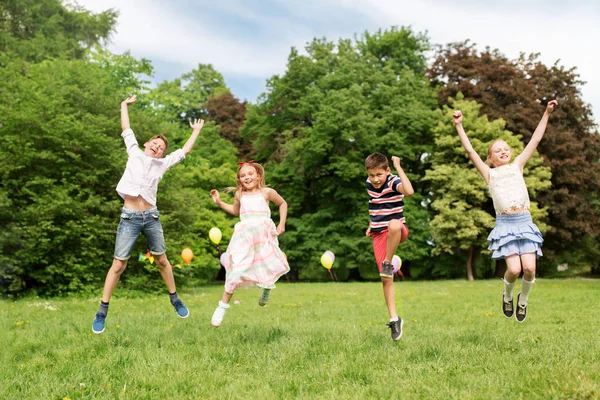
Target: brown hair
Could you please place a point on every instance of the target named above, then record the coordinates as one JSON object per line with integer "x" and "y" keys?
{"x": 376, "y": 161}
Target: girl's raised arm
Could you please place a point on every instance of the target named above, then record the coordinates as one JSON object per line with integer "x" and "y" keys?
{"x": 537, "y": 136}
{"x": 482, "y": 167}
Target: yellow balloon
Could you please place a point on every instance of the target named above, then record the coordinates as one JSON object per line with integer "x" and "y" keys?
{"x": 326, "y": 260}
{"x": 215, "y": 235}
{"x": 151, "y": 259}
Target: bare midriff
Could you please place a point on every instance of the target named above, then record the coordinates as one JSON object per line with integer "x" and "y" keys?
{"x": 136, "y": 203}
{"x": 513, "y": 211}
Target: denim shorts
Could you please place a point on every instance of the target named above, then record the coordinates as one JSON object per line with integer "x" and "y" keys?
{"x": 134, "y": 222}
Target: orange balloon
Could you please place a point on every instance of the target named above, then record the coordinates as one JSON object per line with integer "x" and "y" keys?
{"x": 187, "y": 255}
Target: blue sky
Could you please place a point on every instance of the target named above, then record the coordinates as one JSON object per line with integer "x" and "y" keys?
{"x": 249, "y": 41}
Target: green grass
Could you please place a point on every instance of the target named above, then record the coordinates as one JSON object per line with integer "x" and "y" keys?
{"x": 312, "y": 341}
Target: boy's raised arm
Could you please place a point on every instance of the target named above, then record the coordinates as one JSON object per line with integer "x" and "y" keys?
{"x": 125, "y": 113}
{"x": 196, "y": 128}
{"x": 406, "y": 187}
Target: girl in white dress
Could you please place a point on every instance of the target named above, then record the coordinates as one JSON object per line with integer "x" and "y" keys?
{"x": 253, "y": 256}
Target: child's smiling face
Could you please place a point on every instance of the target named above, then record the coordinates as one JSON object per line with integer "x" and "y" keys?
{"x": 499, "y": 153}
{"x": 154, "y": 148}
{"x": 248, "y": 177}
{"x": 378, "y": 176}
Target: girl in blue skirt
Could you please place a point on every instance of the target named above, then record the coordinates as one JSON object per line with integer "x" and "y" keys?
{"x": 515, "y": 238}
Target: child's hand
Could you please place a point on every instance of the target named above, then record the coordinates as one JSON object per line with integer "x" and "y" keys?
{"x": 280, "y": 229}
{"x": 197, "y": 124}
{"x": 457, "y": 117}
{"x": 129, "y": 100}
{"x": 396, "y": 162}
{"x": 551, "y": 106}
{"x": 368, "y": 233}
{"x": 216, "y": 197}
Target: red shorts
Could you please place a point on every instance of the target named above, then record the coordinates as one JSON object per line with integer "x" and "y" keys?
{"x": 380, "y": 243}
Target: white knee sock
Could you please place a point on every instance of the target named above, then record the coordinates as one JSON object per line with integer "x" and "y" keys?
{"x": 525, "y": 289}
{"x": 508, "y": 289}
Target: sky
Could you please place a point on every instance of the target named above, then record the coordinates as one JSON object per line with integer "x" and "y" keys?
{"x": 248, "y": 41}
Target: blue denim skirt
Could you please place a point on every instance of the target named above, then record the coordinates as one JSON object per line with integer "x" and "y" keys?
{"x": 515, "y": 234}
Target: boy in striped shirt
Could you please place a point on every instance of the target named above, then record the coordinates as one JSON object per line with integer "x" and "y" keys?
{"x": 387, "y": 226}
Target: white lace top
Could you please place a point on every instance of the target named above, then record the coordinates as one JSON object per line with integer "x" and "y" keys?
{"x": 508, "y": 189}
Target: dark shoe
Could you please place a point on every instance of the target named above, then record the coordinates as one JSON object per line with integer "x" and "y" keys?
{"x": 387, "y": 270}
{"x": 181, "y": 309}
{"x": 521, "y": 311}
{"x": 507, "y": 307}
{"x": 396, "y": 327}
{"x": 99, "y": 322}
{"x": 264, "y": 297}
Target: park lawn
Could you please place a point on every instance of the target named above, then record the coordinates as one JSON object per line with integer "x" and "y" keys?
{"x": 313, "y": 340}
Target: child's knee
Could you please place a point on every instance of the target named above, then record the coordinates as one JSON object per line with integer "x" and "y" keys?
{"x": 529, "y": 269}
{"x": 161, "y": 261}
{"x": 395, "y": 225}
{"x": 118, "y": 266}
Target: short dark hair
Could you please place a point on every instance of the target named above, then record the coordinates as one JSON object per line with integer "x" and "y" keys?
{"x": 376, "y": 160}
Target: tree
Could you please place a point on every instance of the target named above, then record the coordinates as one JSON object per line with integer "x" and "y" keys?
{"x": 517, "y": 91}
{"x": 36, "y": 30}
{"x": 230, "y": 114}
{"x": 316, "y": 125}
{"x": 464, "y": 212}
{"x": 184, "y": 98}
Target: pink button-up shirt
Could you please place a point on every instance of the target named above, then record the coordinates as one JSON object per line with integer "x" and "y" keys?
{"x": 142, "y": 173}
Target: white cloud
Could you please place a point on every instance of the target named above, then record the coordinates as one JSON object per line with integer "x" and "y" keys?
{"x": 253, "y": 40}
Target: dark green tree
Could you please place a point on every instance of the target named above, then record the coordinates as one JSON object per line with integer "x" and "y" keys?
{"x": 316, "y": 125}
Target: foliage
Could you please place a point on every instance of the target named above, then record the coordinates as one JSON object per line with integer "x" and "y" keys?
{"x": 36, "y": 30}
{"x": 230, "y": 114}
{"x": 184, "y": 98}
{"x": 316, "y": 125}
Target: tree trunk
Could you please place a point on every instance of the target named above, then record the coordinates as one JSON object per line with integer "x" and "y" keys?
{"x": 500, "y": 268}
{"x": 406, "y": 269}
{"x": 470, "y": 259}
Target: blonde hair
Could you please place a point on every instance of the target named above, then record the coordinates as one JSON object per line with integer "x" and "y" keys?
{"x": 260, "y": 171}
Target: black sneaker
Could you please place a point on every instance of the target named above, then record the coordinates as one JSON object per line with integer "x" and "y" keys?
{"x": 387, "y": 270}
{"x": 396, "y": 327}
{"x": 507, "y": 307}
{"x": 521, "y": 311}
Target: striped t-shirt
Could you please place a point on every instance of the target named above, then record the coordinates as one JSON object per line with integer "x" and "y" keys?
{"x": 385, "y": 203}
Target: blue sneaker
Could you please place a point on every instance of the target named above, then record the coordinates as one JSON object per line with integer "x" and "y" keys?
{"x": 99, "y": 322}
{"x": 181, "y": 309}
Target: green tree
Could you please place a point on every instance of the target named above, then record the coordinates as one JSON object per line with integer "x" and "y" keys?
{"x": 463, "y": 210}
{"x": 36, "y": 30}
{"x": 185, "y": 98}
{"x": 316, "y": 125}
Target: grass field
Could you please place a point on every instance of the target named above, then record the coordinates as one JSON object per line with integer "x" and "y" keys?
{"x": 312, "y": 341}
